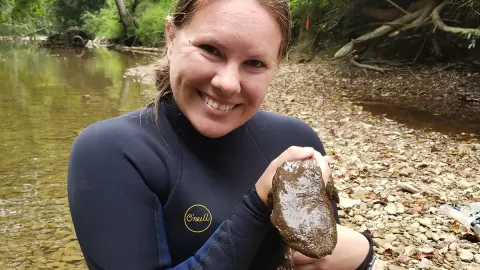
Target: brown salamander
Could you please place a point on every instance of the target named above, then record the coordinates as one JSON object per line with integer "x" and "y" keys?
{"x": 302, "y": 211}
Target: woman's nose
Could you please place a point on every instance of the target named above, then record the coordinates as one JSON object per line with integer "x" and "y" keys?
{"x": 227, "y": 80}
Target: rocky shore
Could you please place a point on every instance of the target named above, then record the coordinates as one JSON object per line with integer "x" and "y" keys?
{"x": 392, "y": 178}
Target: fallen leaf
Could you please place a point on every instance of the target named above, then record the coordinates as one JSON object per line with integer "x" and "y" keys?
{"x": 419, "y": 255}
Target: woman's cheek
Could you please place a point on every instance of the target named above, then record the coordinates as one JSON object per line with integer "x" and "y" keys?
{"x": 201, "y": 67}
{"x": 255, "y": 89}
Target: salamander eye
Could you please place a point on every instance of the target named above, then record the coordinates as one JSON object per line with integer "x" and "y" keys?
{"x": 209, "y": 49}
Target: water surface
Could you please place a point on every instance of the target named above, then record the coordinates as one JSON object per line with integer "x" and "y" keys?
{"x": 46, "y": 98}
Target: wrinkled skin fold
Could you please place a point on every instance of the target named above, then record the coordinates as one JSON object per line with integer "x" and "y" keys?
{"x": 302, "y": 211}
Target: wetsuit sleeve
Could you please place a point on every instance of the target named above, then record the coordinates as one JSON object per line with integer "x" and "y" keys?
{"x": 117, "y": 219}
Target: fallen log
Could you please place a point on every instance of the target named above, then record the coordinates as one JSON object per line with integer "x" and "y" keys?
{"x": 379, "y": 32}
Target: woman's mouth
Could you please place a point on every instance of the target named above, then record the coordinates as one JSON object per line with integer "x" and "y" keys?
{"x": 214, "y": 104}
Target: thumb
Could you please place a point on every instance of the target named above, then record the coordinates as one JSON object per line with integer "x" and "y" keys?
{"x": 299, "y": 258}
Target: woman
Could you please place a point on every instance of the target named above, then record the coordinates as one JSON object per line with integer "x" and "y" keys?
{"x": 183, "y": 183}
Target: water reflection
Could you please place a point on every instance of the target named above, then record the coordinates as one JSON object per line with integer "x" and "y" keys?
{"x": 46, "y": 98}
{"x": 462, "y": 129}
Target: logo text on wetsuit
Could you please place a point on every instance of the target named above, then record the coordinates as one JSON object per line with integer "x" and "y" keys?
{"x": 197, "y": 218}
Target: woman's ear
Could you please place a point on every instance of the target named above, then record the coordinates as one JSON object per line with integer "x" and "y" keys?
{"x": 169, "y": 35}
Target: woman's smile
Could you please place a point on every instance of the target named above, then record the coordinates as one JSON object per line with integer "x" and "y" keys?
{"x": 216, "y": 104}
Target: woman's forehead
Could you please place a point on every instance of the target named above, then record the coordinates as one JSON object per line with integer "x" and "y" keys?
{"x": 241, "y": 21}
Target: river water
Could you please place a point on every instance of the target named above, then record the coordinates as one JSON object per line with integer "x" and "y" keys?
{"x": 46, "y": 98}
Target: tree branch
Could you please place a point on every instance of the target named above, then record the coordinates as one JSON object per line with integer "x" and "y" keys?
{"x": 439, "y": 23}
{"x": 398, "y": 7}
{"x": 380, "y": 31}
{"x": 425, "y": 14}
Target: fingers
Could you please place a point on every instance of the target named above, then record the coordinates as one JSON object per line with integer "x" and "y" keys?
{"x": 294, "y": 153}
{"x": 323, "y": 162}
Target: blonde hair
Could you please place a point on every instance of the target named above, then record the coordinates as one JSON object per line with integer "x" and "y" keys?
{"x": 183, "y": 10}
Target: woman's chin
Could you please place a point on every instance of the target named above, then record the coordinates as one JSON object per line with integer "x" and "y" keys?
{"x": 212, "y": 129}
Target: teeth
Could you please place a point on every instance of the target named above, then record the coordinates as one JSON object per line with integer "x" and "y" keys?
{"x": 216, "y": 106}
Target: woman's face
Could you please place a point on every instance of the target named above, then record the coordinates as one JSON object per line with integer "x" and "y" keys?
{"x": 222, "y": 62}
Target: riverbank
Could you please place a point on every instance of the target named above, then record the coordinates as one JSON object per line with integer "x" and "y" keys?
{"x": 23, "y": 38}
{"x": 392, "y": 177}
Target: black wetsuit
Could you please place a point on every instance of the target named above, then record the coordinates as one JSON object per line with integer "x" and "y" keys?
{"x": 170, "y": 198}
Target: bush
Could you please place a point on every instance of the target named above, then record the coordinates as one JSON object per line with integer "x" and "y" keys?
{"x": 105, "y": 22}
{"x": 152, "y": 21}
{"x": 323, "y": 16}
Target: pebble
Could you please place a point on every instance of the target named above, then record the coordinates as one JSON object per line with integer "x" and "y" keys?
{"x": 360, "y": 193}
{"x": 465, "y": 255}
{"x": 390, "y": 237}
{"x": 453, "y": 246}
{"x": 410, "y": 251}
{"x": 477, "y": 258}
{"x": 407, "y": 171}
{"x": 395, "y": 267}
{"x": 346, "y": 202}
{"x": 449, "y": 238}
{"x": 400, "y": 208}
{"x": 408, "y": 187}
{"x": 378, "y": 242}
{"x": 425, "y": 222}
{"x": 391, "y": 208}
{"x": 424, "y": 263}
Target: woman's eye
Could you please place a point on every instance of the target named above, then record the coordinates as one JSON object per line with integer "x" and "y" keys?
{"x": 255, "y": 63}
{"x": 209, "y": 49}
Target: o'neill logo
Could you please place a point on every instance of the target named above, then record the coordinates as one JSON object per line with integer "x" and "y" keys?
{"x": 197, "y": 218}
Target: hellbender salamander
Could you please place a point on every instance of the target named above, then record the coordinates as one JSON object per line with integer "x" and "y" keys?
{"x": 302, "y": 211}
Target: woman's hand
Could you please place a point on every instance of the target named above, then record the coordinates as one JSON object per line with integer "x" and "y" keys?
{"x": 351, "y": 250}
{"x": 264, "y": 184}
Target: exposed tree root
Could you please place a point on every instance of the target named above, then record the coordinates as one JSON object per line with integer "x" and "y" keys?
{"x": 427, "y": 10}
{"x": 424, "y": 13}
{"x": 379, "y": 32}
{"x": 439, "y": 23}
{"x": 364, "y": 66}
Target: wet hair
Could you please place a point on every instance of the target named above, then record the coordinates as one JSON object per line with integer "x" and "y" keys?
{"x": 183, "y": 10}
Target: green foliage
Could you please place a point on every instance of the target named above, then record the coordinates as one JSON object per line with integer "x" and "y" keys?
{"x": 69, "y": 13}
{"x": 150, "y": 15}
{"x": 151, "y": 20}
{"x": 323, "y": 14}
{"x": 105, "y": 22}
{"x": 19, "y": 17}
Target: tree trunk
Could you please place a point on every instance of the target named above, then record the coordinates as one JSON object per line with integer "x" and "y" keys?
{"x": 122, "y": 11}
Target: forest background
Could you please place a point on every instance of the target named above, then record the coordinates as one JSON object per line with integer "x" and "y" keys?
{"x": 433, "y": 30}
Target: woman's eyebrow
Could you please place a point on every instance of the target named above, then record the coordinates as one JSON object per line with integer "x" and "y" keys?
{"x": 214, "y": 40}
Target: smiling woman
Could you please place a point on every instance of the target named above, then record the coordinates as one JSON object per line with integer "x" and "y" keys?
{"x": 183, "y": 183}
{"x": 222, "y": 60}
